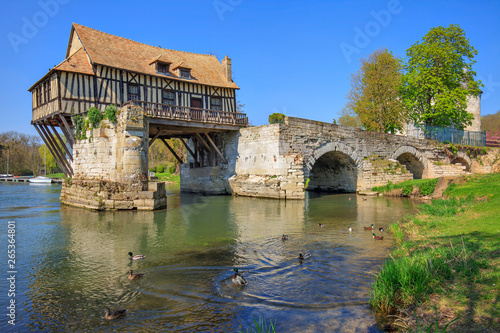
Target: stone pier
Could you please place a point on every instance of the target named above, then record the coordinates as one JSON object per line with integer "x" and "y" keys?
{"x": 110, "y": 166}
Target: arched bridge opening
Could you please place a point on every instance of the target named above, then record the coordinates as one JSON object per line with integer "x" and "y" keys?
{"x": 412, "y": 164}
{"x": 333, "y": 171}
{"x": 463, "y": 161}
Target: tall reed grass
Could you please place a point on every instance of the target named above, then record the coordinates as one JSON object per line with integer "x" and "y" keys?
{"x": 406, "y": 281}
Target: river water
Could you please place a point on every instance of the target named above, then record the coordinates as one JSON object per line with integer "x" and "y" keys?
{"x": 72, "y": 263}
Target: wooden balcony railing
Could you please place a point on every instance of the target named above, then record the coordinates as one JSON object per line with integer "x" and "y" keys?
{"x": 166, "y": 111}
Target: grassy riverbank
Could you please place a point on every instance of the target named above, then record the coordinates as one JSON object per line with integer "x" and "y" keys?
{"x": 56, "y": 175}
{"x": 447, "y": 261}
{"x": 168, "y": 177}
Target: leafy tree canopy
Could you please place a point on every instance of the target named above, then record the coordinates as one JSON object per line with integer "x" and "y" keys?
{"x": 373, "y": 101}
{"x": 439, "y": 78}
{"x": 277, "y": 118}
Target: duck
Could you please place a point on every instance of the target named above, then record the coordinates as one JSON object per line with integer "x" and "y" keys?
{"x": 380, "y": 229}
{"x": 369, "y": 228}
{"x": 110, "y": 315}
{"x": 304, "y": 256}
{"x": 238, "y": 279}
{"x": 136, "y": 257}
{"x": 284, "y": 237}
{"x": 364, "y": 199}
{"x": 321, "y": 225}
{"x": 350, "y": 229}
{"x": 132, "y": 276}
{"x": 378, "y": 237}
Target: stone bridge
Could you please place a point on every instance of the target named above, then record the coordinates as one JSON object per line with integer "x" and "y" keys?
{"x": 285, "y": 160}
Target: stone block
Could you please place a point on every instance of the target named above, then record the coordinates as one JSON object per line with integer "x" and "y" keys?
{"x": 139, "y": 203}
{"x": 146, "y": 195}
{"x": 124, "y": 204}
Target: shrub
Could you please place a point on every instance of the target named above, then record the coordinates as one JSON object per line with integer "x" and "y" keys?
{"x": 428, "y": 187}
{"x": 95, "y": 116}
{"x": 407, "y": 189}
{"x": 110, "y": 112}
{"x": 153, "y": 169}
{"x": 276, "y": 118}
{"x": 172, "y": 169}
{"x": 160, "y": 169}
{"x": 80, "y": 128}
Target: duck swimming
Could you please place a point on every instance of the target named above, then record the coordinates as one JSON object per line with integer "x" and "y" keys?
{"x": 284, "y": 237}
{"x": 136, "y": 257}
{"x": 304, "y": 256}
{"x": 320, "y": 225}
{"x": 110, "y": 315}
{"x": 132, "y": 276}
{"x": 238, "y": 279}
{"x": 350, "y": 229}
{"x": 378, "y": 237}
{"x": 380, "y": 229}
{"x": 369, "y": 228}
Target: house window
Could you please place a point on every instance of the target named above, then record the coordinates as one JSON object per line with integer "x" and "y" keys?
{"x": 185, "y": 73}
{"x": 162, "y": 67}
{"x": 215, "y": 103}
{"x": 133, "y": 92}
{"x": 168, "y": 97}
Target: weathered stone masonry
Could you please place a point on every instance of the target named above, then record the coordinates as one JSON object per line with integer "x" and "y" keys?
{"x": 110, "y": 167}
{"x": 276, "y": 160}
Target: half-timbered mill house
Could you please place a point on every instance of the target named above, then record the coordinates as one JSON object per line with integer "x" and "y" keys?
{"x": 181, "y": 94}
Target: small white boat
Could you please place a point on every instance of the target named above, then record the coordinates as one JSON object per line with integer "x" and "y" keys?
{"x": 41, "y": 180}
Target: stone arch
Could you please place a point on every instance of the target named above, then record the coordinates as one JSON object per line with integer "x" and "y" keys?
{"x": 462, "y": 158}
{"x": 412, "y": 159}
{"x": 333, "y": 167}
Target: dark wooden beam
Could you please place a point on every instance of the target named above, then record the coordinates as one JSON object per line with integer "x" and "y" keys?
{"x": 154, "y": 138}
{"x": 172, "y": 151}
{"x": 65, "y": 132}
{"x": 215, "y": 147}
{"x": 200, "y": 139}
{"x": 51, "y": 149}
{"x": 59, "y": 154}
{"x": 68, "y": 128}
{"x": 62, "y": 143}
{"x": 189, "y": 150}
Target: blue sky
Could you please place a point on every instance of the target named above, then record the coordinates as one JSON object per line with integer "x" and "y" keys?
{"x": 293, "y": 57}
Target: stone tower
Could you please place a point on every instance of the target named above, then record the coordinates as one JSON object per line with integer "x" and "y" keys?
{"x": 474, "y": 107}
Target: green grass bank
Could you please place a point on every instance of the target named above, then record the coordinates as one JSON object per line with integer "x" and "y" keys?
{"x": 446, "y": 262}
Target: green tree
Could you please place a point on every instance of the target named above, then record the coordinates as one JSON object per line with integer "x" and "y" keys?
{"x": 349, "y": 118}
{"x": 20, "y": 153}
{"x": 373, "y": 101}
{"x": 276, "y": 118}
{"x": 439, "y": 78}
{"x": 46, "y": 157}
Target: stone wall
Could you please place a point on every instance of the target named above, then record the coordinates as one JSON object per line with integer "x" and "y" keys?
{"x": 212, "y": 179}
{"x": 276, "y": 160}
{"x": 110, "y": 167}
